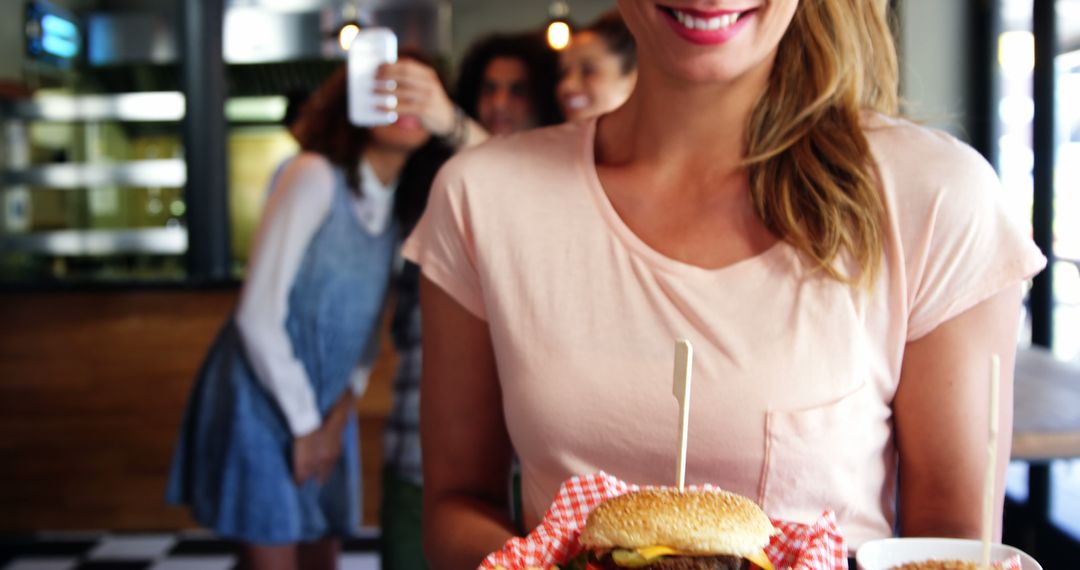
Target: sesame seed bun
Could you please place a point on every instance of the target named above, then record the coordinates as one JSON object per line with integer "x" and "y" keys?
{"x": 693, "y": 522}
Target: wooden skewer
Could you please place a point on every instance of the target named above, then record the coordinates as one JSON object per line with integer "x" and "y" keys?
{"x": 991, "y": 463}
{"x": 684, "y": 362}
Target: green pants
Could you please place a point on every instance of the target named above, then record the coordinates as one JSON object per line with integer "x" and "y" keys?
{"x": 402, "y": 548}
{"x": 402, "y": 504}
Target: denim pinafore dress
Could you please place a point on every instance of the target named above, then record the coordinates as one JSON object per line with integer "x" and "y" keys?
{"x": 232, "y": 463}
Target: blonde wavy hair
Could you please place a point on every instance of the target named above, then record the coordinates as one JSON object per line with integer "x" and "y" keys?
{"x": 812, "y": 179}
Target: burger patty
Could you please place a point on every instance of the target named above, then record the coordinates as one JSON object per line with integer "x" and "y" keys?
{"x": 685, "y": 563}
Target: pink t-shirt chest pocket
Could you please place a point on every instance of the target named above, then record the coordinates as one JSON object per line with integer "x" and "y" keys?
{"x": 829, "y": 457}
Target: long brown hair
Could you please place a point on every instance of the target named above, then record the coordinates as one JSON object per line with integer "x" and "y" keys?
{"x": 323, "y": 127}
{"x": 812, "y": 178}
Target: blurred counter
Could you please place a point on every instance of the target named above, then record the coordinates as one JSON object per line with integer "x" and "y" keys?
{"x": 92, "y": 388}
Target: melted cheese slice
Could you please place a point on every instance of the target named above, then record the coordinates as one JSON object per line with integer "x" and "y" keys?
{"x": 653, "y": 552}
{"x": 761, "y": 560}
{"x": 648, "y": 554}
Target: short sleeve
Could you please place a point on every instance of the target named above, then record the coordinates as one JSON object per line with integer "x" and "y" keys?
{"x": 962, "y": 247}
{"x": 443, "y": 242}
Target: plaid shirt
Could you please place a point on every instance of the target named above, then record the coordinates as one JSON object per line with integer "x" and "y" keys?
{"x": 401, "y": 439}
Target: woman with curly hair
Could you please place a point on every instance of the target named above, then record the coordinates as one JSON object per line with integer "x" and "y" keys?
{"x": 507, "y": 83}
{"x": 268, "y": 452}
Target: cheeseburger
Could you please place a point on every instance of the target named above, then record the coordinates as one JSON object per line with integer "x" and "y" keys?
{"x": 666, "y": 529}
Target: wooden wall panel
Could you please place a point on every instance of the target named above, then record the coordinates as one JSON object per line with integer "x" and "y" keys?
{"x": 92, "y": 389}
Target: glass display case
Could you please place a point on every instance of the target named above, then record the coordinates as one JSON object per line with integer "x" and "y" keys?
{"x": 93, "y": 187}
{"x": 94, "y": 174}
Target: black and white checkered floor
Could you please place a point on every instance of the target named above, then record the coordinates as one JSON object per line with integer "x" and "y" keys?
{"x": 183, "y": 551}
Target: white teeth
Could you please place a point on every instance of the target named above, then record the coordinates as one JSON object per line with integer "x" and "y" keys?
{"x": 577, "y": 102}
{"x": 710, "y": 24}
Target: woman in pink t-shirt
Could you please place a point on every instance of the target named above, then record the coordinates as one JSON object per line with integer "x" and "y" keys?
{"x": 843, "y": 275}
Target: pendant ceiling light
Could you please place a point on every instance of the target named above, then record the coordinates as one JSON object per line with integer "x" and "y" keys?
{"x": 559, "y": 30}
{"x": 350, "y": 25}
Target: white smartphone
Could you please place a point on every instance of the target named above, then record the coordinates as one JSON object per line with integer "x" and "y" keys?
{"x": 371, "y": 48}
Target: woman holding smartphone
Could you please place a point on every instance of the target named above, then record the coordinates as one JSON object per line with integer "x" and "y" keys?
{"x": 508, "y": 82}
{"x": 842, "y": 274}
{"x": 268, "y": 453}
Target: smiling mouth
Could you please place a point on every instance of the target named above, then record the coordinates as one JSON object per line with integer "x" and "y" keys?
{"x": 711, "y": 22}
{"x": 576, "y": 102}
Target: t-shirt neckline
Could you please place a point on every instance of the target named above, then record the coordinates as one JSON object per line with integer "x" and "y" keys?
{"x": 631, "y": 240}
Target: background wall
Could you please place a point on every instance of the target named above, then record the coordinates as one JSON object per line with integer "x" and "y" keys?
{"x": 933, "y": 62}
{"x": 94, "y": 385}
{"x": 11, "y": 38}
{"x": 472, "y": 19}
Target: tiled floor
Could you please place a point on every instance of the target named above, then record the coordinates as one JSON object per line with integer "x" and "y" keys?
{"x": 184, "y": 551}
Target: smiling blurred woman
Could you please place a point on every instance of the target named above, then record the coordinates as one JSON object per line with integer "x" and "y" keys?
{"x": 598, "y": 69}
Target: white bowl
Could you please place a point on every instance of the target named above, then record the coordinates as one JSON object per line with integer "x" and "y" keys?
{"x": 887, "y": 553}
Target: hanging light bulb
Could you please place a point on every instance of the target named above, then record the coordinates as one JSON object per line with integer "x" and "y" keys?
{"x": 558, "y": 30}
{"x": 347, "y": 34}
{"x": 558, "y": 35}
{"x": 350, "y": 27}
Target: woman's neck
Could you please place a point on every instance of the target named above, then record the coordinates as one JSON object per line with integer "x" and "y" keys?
{"x": 385, "y": 163}
{"x": 672, "y": 124}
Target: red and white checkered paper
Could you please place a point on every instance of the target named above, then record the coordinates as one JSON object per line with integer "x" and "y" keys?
{"x": 817, "y": 546}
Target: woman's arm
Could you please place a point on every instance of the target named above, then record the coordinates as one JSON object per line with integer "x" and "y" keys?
{"x": 298, "y": 204}
{"x": 420, "y": 93}
{"x": 296, "y": 207}
{"x": 466, "y": 448}
{"x": 314, "y": 455}
{"x": 942, "y": 419}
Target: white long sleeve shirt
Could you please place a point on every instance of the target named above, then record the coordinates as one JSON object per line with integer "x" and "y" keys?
{"x": 296, "y": 207}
